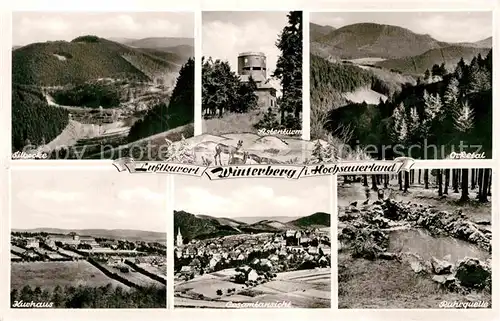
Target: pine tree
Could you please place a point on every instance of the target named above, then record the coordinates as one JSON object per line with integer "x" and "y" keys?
{"x": 400, "y": 128}
{"x": 452, "y": 94}
{"x": 289, "y": 65}
{"x": 464, "y": 118}
{"x": 318, "y": 152}
{"x": 413, "y": 122}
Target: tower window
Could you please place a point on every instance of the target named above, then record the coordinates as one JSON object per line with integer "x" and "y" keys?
{"x": 247, "y": 68}
{"x": 256, "y": 68}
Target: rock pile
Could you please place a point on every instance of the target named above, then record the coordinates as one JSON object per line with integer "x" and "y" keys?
{"x": 363, "y": 230}
{"x": 439, "y": 222}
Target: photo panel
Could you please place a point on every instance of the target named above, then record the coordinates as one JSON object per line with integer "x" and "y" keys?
{"x": 104, "y": 85}
{"x": 391, "y": 84}
{"x": 88, "y": 239}
{"x": 252, "y": 81}
{"x": 258, "y": 245}
{"x": 426, "y": 234}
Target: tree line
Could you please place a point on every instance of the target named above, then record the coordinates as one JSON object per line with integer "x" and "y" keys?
{"x": 223, "y": 91}
{"x": 89, "y": 297}
{"x": 178, "y": 112}
{"x": 448, "y": 181}
{"x": 92, "y": 95}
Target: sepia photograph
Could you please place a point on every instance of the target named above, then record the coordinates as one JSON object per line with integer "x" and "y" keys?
{"x": 252, "y": 73}
{"x": 101, "y": 85}
{"x": 88, "y": 239}
{"x": 391, "y": 84}
{"x": 425, "y": 234}
{"x": 240, "y": 245}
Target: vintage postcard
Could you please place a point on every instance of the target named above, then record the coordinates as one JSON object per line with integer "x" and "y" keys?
{"x": 258, "y": 245}
{"x": 98, "y": 244}
{"x": 425, "y": 234}
{"x": 390, "y": 84}
{"x": 101, "y": 85}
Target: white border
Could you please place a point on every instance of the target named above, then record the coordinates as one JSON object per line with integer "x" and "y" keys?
{"x": 198, "y": 5}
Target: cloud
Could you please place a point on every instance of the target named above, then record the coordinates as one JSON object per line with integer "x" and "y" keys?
{"x": 50, "y": 25}
{"x": 225, "y": 40}
{"x": 140, "y": 194}
{"x": 443, "y": 26}
{"x": 446, "y": 28}
{"x": 252, "y": 200}
{"x": 29, "y": 27}
{"x": 327, "y": 19}
{"x": 57, "y": 196}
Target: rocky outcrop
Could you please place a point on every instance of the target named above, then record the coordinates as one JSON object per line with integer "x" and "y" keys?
{"x": 363, "y": 230}
{"x": 439, "y": 222}
{"x": 473, "y": 273}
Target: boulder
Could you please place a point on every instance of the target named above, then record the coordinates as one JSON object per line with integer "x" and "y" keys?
{"x": 355, "y": 203}
{"x": 388, "y": 256}
{"x": 473, "y": 273}
{"x": 414, "y": 260}
{"x": 441, "y": 266}
{"x": 446, "y": 279}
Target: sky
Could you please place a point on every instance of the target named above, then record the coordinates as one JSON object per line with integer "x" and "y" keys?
{"x": 233, "y": 198}
{"x": 443, "y": 26}
{"x": 88, "y": 199}
{"x": 226, "y": 34}
{"x": 30, "y": 27}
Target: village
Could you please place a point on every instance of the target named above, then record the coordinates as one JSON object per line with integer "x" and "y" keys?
{"x": 232, "y": 267}
{"x": 111, "y": 256}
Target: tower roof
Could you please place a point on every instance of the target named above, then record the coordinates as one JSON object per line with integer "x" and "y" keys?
{"x": 251, "y": 53}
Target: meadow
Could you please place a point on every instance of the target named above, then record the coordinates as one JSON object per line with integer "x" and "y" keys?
{"x": 48, "y": 275}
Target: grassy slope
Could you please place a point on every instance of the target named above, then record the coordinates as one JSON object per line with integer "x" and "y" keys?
{"x": 232, "y": 123}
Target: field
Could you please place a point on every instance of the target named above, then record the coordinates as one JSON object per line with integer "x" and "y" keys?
{"x": 304, "y": 289}
{"x": 134, "y": 277}
{"x": 69, "y": 253}
{"x": 50, "y": 274}
{"x": 365, "y": 95}
{"x": 154, "y": 269}
{"x": 17, "y": 249}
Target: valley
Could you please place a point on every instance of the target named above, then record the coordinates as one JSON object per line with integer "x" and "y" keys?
{"x": 364, "y": 75}
{"x": 95, "y": 108}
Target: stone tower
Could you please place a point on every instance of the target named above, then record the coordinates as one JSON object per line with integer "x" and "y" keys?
{"x": 178, "y": 241}
{"x": 253, "y": 64}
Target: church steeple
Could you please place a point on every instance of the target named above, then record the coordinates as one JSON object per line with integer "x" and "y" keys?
{"x": 179, "y": 238}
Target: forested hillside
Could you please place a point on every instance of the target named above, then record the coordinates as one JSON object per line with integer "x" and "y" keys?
{"x": 83, "y": 59}
{"x": 179, "y": 111}
{"x": 445, "y": 113}
{"x": 34, "y": 122}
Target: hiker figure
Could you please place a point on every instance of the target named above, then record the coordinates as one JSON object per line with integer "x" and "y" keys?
{"x": 380, "y": 193}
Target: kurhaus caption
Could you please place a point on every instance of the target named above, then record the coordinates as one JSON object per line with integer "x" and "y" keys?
{"x": 269, "y": 171}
